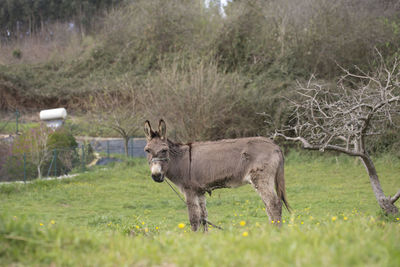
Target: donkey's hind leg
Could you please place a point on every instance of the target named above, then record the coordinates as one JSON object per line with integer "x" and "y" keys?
{"x": 264, "y": 184}
{"x": 203, "y": 212}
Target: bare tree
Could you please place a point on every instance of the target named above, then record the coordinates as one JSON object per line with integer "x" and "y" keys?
{"x": 341, "y": 118}
{"x": 36, "y": 142}
{"x": 118, "y": 110}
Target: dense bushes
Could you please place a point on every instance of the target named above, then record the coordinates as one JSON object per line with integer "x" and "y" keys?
{"x": 209, "y": 74}
{"x": 197, "y": 100}
{"x": 286, "y": 37}
{"x": 297, "y": 38}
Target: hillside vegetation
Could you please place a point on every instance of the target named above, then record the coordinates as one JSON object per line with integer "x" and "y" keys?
{"x": 209, "y": 75}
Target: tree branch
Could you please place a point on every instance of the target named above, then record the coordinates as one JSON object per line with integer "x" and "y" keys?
{"x": 307, "y": 145}
{"x": 395, "y": 197}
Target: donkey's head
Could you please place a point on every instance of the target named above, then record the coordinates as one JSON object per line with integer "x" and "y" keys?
{"x": 157, "y": 150}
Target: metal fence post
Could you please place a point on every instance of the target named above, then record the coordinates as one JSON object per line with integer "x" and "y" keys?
{"x": 16, "y": 118}
{"x": 25, "y": 167}
{"x": 108, "y": 149}
{"x": 83, "y": 157}
{"x": 55, "y": 162}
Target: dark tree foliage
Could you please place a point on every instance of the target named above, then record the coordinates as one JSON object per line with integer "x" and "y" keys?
{"x": 20, "y": 18}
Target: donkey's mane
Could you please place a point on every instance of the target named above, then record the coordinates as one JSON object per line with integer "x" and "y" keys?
{"x": 175, "y": 147}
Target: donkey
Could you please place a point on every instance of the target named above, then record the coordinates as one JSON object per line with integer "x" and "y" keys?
{"x": 200, "y": 167}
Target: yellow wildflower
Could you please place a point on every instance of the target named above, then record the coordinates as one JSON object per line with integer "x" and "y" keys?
{"x": 245, "y": 234}
{"x": 345, "y": 218}
{"x": 41, "y": 224}
{"x": 142, "y": 223}
{"x": 156, "y": 227}
{"x": 146, "y": 230}
{"x": 137, "y": 226}
{"x": 52, "y": 222}
{"x": 242, "y": 223}
{"x": 181, "y": 225}
{"x": 334, "y": 218}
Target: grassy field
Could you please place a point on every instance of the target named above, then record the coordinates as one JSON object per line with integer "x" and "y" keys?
{"x": 116, "y": 216}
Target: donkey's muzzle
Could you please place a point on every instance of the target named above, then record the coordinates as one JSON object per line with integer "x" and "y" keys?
{"x": 159, "y": 178}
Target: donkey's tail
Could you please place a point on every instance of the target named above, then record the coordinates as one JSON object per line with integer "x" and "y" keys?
{"x": 280, "y": 183}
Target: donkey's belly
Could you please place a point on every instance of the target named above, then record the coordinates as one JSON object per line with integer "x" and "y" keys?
{"x": 227, "y": 182}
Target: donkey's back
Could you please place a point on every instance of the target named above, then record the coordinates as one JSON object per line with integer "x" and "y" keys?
{"x": 233, "y": 160}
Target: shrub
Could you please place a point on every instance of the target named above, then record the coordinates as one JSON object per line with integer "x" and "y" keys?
{"x": 12, "y": 166}
{"x": 197, "y": 100}
{"x": 16, "y": 171}
{"x": 62, "y": 139}
{"x": 48, "y": 151}
{"x": 17, "y": 53}
{"x": 33, "y": 142}
{"x": 5, "y": 151}
{"x": 65, "y": 154}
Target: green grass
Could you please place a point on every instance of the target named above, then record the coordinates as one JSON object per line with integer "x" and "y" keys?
{"x": 11, "y": 126}
{"x": 117, "y": 216}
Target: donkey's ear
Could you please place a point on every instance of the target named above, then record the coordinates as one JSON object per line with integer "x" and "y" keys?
{"x": 162, "y": 129}
{"x": 147, "y": 130}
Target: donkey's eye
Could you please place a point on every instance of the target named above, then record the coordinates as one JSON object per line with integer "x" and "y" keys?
{"x": 163, "y": 151}
{"x": 147, "y": 150}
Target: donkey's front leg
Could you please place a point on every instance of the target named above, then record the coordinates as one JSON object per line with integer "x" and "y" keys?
{"x": 192, "y": 202}
{"x": 203, "y": 212}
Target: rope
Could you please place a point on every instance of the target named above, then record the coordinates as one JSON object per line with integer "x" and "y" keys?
{"x": 175, "y": 191}
{"x": 208, "y": 222}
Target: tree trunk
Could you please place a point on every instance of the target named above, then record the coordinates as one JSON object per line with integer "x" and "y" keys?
{"x": 39, "y": 172}
{"x": 383, "y": 201}
{"x": 126, "y": 141}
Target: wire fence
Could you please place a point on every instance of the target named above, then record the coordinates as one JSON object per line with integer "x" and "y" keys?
{"x": 109, "y": 146}
{"x": 21, "y": 164}
{"x": 12, "y": 125}
{"x": 29, "y": 165}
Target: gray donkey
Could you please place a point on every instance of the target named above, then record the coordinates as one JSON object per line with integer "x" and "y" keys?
{"x": 200, "y": 167}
